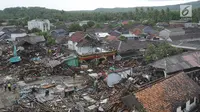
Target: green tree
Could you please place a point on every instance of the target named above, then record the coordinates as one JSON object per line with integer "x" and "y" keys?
{"x": 156, "y": 52}
{"x": 85, "y": 27}
{"x": 90, "y": 24}
{"x": 75, "y": 27}
{"x": 122, "y": 38}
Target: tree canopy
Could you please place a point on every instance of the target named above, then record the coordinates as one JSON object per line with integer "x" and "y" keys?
{"x": 23, "y": 14}
{"x": 156, "y": 52}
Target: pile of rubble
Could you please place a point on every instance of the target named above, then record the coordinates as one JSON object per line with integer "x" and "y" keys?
{"x": 89, "y": 87}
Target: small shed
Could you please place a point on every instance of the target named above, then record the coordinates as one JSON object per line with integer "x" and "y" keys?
{"x": 72, "y": 61}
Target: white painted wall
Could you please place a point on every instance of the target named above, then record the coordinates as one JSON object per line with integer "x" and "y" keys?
{"x": 70, "y": 45}
{"x": 43, "y": 25}
{"x": 85, "y": 50}
{"x": 102, "y": 34}
{"x": 188, "y": 106}
{"x": 191, "y": 106}
{"x": 88, "y": 50}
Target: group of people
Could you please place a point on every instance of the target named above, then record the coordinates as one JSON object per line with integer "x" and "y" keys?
{"x": 9, "y": 86}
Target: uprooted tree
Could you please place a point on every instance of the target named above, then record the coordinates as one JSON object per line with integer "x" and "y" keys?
{"x": 156, "y": 52}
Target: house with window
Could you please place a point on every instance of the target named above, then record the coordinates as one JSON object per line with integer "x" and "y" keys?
{"x": 176, "y": 93}
{"x": 85, "y": 43}
{"x": 43, "y": 25}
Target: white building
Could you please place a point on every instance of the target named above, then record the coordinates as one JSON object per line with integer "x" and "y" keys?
{"x": 78, "y": 42}
{"x": 81, "y": 23}
{"x": 102, "y": 34}
{"x": 43, "y": 25}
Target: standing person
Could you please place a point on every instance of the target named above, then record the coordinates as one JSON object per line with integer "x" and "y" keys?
{"x": 9, "y": 86}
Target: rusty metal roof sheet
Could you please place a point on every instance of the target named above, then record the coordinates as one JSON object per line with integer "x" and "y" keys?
{"x": 179, "y": 62}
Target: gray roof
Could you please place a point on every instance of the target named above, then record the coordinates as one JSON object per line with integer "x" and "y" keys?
{"x": 185, "y": 37}
{"x": 129, "y": 45}
{"x": 176, "y": 29}
{"x": 31, "y": 39}
{"x": 179, "y": 62}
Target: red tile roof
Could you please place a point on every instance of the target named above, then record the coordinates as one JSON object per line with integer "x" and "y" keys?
{"x": 167, "y": 95}
{"x": 77, "y": 36}
{"x": 111, "y": 38}
{"x": 125, "y": 22}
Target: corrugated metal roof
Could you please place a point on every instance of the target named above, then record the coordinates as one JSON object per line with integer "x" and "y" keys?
{"x": 179, "y": 62}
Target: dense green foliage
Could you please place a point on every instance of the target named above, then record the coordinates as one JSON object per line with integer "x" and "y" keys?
{"x": 195, "y": 4}
{"x": 75, "y": 27}
{"x": 90, "y": 24}
{"x": 160, "y": 51}
{"x": 20, "y": 15}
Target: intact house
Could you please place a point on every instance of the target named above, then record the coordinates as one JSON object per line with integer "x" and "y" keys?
{"x": 128, "y": 49}
{"x": 185, "y": 61}
{"x": 167, "y": 33}
{"x": 162, "y": 24}
{"x": 137, "y": 30}
{"x": 130, "y": 36}
{"x": 102, "y": 34}
{"x": 190, "y": 41}
{"x": 59, "y": 33}
{"x": 84, "y": 43}
{"x": 43, "y": 25}
{"x": 115, "y": 33}
{"x": 176, "y": 93}
{"x": 11, "y": 33}
{"x": 111, "y": 38}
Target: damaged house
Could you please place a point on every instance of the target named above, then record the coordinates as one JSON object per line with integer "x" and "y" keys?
{"x": 11, "y": 33}
{"x": 84, "y": 43}
{"x": 30, "y": 40}
{"x": 177, "y": 93}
